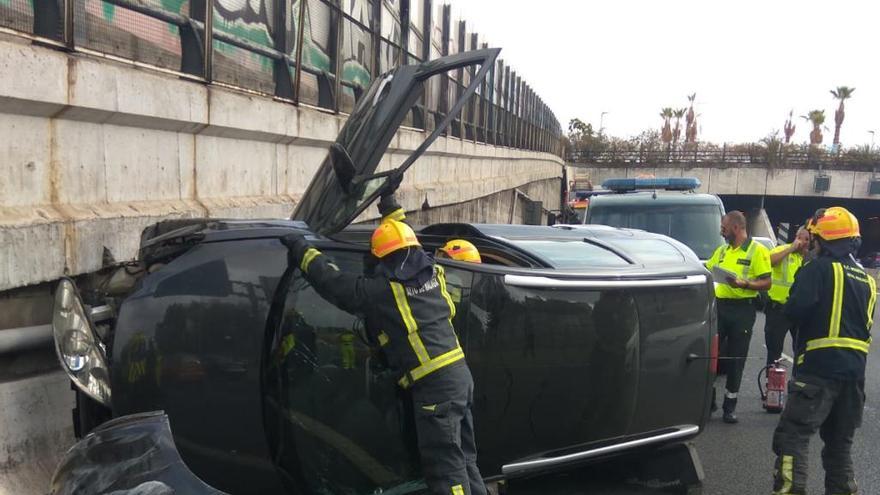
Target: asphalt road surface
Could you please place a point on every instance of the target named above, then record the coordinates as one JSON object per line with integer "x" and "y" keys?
{"x": 738, "y": 460}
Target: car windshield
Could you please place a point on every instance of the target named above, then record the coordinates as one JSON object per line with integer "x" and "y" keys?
{"x": 696, "y": 226}
{"x": 571, "y": 253}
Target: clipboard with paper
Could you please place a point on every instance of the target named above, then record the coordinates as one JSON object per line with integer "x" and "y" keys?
{"x": 720, "y": 275}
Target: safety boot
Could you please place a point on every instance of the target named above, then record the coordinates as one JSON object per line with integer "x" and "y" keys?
{"x": 729, "y": 408}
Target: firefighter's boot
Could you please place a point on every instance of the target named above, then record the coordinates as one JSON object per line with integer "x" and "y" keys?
{"x": 729, "y": 408}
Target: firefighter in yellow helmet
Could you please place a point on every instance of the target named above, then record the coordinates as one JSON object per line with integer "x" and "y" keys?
{"x": 460, "y": 250}
{"x": 410, "y": 312}
{"x": 832, "y": 303}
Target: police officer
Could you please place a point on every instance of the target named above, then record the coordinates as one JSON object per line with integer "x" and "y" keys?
{"x": 786, "y": 259}
{"x": 408, "y": 303}
{"x": 745, "y": 264}
{"x": 832, "y": 302}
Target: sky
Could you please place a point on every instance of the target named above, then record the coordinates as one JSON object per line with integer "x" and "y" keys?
{"x": 749, "y": 62}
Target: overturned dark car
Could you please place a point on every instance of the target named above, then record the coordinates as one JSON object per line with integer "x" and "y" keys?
{"x": 584, "y": 342}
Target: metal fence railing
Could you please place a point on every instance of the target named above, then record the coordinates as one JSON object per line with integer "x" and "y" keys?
{"x": 322, "y": 53}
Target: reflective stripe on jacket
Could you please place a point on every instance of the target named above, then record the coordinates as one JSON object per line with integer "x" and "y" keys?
{"x": 412, "y": 324}
{"x": 833, "y": 302}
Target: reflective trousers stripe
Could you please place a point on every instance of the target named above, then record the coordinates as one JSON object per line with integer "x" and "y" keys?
{"x": 840, "y": 343}
{"x": 412, "y": 328}
{"x": 836, "y": 302}
{"x": 787, "y": 472}
{"x": 431, "y": 366}
{"x": 308, "y": 257}
{"x": 457, "y": 490}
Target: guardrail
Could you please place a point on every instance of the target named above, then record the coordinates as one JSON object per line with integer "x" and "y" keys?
{"x": 792, "y": 157}
{"x": 322, "y": 53}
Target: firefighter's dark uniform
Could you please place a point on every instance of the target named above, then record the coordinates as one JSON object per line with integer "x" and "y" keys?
{"x": 413, "y": 324}
{"x": 736, "y": 308}
{"x": 776, "y": 324}
{"x": 832, "y": 302}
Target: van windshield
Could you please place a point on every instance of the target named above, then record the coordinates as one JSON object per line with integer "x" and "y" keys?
{"x": 696, "y": 226}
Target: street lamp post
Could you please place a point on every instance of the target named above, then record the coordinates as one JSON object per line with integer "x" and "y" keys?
{"x": 602, "y": 122}
{"x": 872, "y": 140}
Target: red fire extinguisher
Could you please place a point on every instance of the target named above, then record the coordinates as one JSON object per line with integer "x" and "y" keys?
{"x": 773, "y": 396}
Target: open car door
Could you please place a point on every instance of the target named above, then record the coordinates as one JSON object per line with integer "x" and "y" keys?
{"x": 347, "y": 182}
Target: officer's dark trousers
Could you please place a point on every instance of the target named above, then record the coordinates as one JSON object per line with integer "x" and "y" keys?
{"x": 736, "y": 317}
{"x": 776, "y": 326}
{"x": 835, "y": 409}
{"x": 445, "y": 429}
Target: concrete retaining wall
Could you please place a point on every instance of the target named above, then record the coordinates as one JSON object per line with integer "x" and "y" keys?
{"x": 753, "y": 181}
{"x": 95, "y": 150}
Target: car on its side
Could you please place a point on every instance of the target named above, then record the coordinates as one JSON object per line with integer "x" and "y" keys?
{"x": 584, "y": 343}
{"x": 667, "y": 206}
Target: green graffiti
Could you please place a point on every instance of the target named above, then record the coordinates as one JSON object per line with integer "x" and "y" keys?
{"x": 109, "y": 11}
{"x": 356, "y": 73}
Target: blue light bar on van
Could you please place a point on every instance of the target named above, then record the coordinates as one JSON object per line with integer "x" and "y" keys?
{"x": 666, "y": 183}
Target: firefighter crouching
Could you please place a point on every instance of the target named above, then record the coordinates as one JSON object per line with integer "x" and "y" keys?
{"x": 408, "y": 303}
{"x": 832, "y": 303}
{"x": 786, "y": 259}
{"x": 748, "y": 263}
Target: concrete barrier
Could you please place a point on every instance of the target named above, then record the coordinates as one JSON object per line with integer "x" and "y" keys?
{"x": 94, "y": 150}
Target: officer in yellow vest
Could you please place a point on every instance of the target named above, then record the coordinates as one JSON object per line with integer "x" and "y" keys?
{"x": 745, "y": 265}
{"x": 832, "y": 302}
{"x": 786, "y": 259}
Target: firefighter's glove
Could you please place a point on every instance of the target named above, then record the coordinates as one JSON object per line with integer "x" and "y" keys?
{"x": 297, "y": 245}
{"x": 388, "y": 204}
{"x": 393, "y": 183}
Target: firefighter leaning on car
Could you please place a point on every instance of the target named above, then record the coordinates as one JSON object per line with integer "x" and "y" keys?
{"x": 832, "y": 303}
{"x": 786, "y": 259}
{"x": 748, "y": 263}
{"x": 411, "y": 310}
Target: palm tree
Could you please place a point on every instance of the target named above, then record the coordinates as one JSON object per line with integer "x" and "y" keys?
{"x": 691, "y": 128}
{"x": 817, "y": 118}
{"x": 841, "y": 93}
{"x": 789, "y": 127}
{"x": 676, "y": 132}
{"x": 666, "y": 133}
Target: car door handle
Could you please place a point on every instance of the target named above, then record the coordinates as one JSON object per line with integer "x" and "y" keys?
{"x": 555, "y": 283}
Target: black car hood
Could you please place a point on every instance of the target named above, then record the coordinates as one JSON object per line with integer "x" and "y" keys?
{"x": 347, "y": 182}
{"x": 131, "y": 455}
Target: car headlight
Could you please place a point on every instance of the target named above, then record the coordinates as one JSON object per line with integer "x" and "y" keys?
{"x": 81, "y": 356}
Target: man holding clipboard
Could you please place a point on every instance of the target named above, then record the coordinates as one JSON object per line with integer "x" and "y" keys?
{"x": 741, "y": 268}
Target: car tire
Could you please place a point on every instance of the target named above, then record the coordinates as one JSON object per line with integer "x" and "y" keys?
{"x": 87, "y": 414}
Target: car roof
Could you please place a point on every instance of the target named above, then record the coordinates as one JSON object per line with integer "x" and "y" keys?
{"x": 655, "y": 197}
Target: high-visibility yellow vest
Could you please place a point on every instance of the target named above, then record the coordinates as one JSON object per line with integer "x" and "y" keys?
{"x": 783, "y": 274}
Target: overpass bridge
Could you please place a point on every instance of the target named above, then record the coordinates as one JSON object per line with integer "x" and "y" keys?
{"x": 117, "y": 114}
{"x": 778, "y": 189}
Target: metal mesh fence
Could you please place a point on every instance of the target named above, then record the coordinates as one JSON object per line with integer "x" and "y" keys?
{"x": 249, "y": 21}
{"x": 17, "y": 15}
{"x": 318, "y": 52}
{"x": 108, "y": 28}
